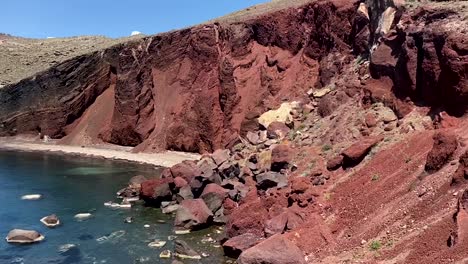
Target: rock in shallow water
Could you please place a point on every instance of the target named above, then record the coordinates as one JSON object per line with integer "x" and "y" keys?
{"x": 24, "y": 236}
{"x": 184, "y": 251}
{"x": 83, "y": 216}
{"x": 50, "y": 221}
{"x": 31, "y": 197}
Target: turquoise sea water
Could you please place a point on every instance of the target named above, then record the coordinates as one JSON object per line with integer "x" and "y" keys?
{"x": 72, "y": 185}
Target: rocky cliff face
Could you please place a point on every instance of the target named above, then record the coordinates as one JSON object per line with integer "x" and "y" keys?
{"x": 198, "y": 89}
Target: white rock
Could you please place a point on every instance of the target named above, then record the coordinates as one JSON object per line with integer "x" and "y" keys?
{"x": 157, "y": 244}
{"x": 83, "y": 216}
{"x": 31, "y": 197}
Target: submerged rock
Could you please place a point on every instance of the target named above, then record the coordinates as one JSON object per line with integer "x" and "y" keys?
{"x": 50, "y": 221}
{"x": 165, "y": 254}
{"x": 83, "y": 216}
{"x": 157, "y": 244}
{"x": 184, "y": 251}
{"x": 31, "y": 197}
{"x": 21, "y": 236}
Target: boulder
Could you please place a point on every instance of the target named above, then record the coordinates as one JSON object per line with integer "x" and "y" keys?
{"x": 50, "y": 221}
{"x": 233, "y": 247}
{"x": 193, "y": 214}
{"x": 335, "y": 163}
{"x": 180, "y": 182}
{"x": 253, "y": 137}
{"x": 282, "y": 114}
{"x": 271, "y": 179}
{"x": 461, "y": 174}
{"x": 274, "y": 250}
{"x": 249, "y": 217}
{"x": 185, "y": 193}
{"x": 444, "y": 146}
{"x": 21, "y": 236}
{"x": 276, "y": 225}
{"x": 213, "y": 195}
{"x": 136, "y": 181}
{"x": 370, "y": 120}
{"x": 207, "y": 167}
{"x": 184, "y": 251}
{"x": 300, "y": 184}
{"x": 186, "y": 169}
{"x": 277, "y": 130}
{"x": 229, "y": 170}
{"x": 354, "y": 154}
{"x": 220, "y": 156}
{"x": 280, "y": 157}
{"x": 157, "y": 190}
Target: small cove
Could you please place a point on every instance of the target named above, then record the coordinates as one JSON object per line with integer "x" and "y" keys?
{"x": 72, "y": 185}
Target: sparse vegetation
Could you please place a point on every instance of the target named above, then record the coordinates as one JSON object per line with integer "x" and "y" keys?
{"x": 375, "y": 245}
{"x": 327, "y": 196}
{"x": 326, "y": 147}
{"x": 375, "y": 177}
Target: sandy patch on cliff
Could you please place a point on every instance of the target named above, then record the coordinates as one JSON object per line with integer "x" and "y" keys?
{"x": 164, "y": 159}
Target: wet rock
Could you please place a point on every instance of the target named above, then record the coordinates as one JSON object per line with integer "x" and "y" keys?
{"x": 444, "y": 146}
{"x": 233, "y": 247}
{"x": 50, "y": 221}
{"x": 277, "y": 130}
{"x": 280, "y": 157}
{"x": 21, "y": 236}
{"x": 157, "y": 244}
{"x": 31, "y": 197}
{"x": 274, "y": 250}
{"x": 128, "y": 220}
{"x": 219, "y": 217}
{"x": 193, "y": 214}
{"x": 335, "y": 163}
{"x": 354, "y": 154}
{"x": 169, "y": 209}
{"x": 157, "y": 190}
{"x": 271, "y": 179}
{"x": 220, "y": 156}
{"x": 83, "y": 216}
{"x": 184, "y": 251}
{"x": 136, "y": 181}
{"x": 165, "y": 254}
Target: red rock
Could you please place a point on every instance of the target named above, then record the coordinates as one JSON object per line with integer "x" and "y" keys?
{"x": 277, "y": 130}
{"x": 233, "y": 247}
{"x": 281, "y": 156}
{"x": 214, "y": 188}
{"x": 166, "y": 173}
{"x": 229, "y": 205}
{"x": 356, "y": 152}
{"x": 276, "y": 225}
{"x": 180, "y": 182}
{"x": 247, "y": 218}
{"x": 186, "y": 170}
{"x": 370, "y": 120}
{"x": 444, "y": 120}
{"x": 220, "y": 156}
{"x": 274, "y": 250}
{"x": 461, "y": 174}
{"x": 156, "y": 190}
{"x": 300, "y": 184}
{"x": 335, "y": 162}
{"x": 445, "y": 144}
{"x": 193, "y": 214}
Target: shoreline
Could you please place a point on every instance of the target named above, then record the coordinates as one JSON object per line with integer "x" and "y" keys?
{"x": 109, "y": 152}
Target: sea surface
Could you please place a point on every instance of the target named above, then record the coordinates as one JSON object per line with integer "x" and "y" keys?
{"x": 71, "y": 185}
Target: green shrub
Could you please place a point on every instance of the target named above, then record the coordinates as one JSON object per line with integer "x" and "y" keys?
{"x": 375, "y": 245}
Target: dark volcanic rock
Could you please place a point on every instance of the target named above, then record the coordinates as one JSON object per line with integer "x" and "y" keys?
{"x": 271, "y": 179}
{"x": 444, "y": 146}
{"x": 274, "y": 250}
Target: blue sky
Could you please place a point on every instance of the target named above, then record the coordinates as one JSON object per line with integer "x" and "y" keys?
{"x": 113, "y": 18}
